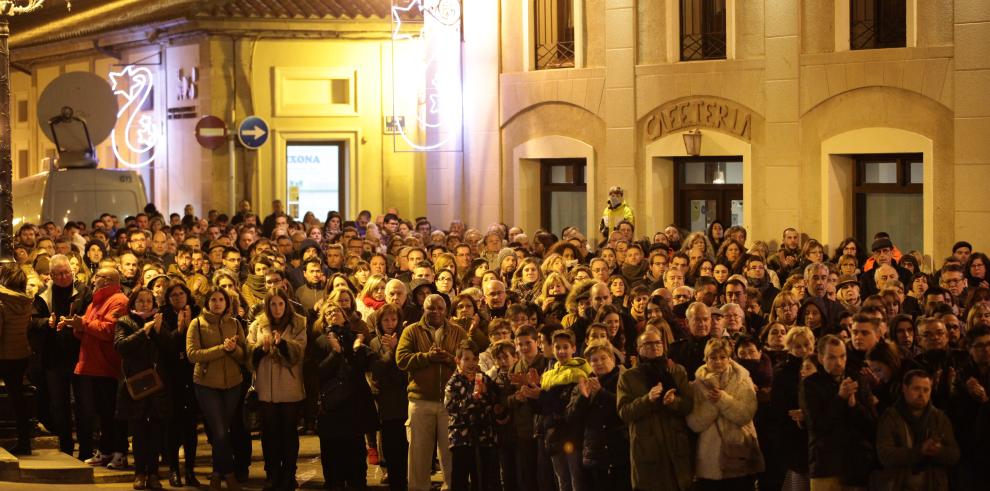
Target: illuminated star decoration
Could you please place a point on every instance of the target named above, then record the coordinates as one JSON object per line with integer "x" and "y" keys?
{"x": 141, "y": 133}
{"x": 439, "y": 40}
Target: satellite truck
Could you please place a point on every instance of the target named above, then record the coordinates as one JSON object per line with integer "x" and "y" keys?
{"x": 73, "y": 111}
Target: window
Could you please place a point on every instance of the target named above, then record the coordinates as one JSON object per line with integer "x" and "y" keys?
{"x": 563, "y": 194}
{"x": 554, "y": 21}
{"x": 314, "y": 172}
{"x": 702, "y": 30}
{"x": 888, "y": 191}
{"x": 877, "y": 24}
{"x": 708, "y": 189}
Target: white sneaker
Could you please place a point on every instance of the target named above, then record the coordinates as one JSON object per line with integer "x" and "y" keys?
{"x": 118, "y": 463}
{"x": 99, "y": 459}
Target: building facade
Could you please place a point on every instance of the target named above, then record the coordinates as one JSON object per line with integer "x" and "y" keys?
{"x": 837, "y": 117}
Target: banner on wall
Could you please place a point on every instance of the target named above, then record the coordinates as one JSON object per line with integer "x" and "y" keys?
{"x": 426, "y": 76}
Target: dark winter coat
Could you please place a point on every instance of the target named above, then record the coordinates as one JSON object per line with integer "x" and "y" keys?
{"x": 139, "y": 351}
{"x": 345, "y": 400}
{"x": 660, "y": 442}
{"x": 840, "y": 438}
{"x": 606, "y": 438}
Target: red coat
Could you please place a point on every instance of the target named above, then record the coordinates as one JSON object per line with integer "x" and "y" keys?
{"x": 97, "y": 357}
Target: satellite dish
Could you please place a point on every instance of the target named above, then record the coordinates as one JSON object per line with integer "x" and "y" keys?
{"x": 77, "y": 111}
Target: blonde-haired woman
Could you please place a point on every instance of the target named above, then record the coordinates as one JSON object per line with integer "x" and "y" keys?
{"x": 722, "y": 415}
{"x": 790, "y": 448}
{"x": 372, "y": 296}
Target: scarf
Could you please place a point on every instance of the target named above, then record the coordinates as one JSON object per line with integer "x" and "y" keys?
{"x": 634, "y": 272}
{"x": 372, "y": 303}
{"x": 256, "y": 284}
{"x": 656, "y": 371}
{"x": 918, "y": 426}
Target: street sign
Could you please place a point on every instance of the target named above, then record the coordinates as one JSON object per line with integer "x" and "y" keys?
{"x": 211, "y": 132}
{"x": 253, "y": 132}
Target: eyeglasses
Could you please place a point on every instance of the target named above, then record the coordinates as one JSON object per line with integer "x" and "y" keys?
{"x": 979, "y": 346}
{"x": 651, "y": 344}
{"x": 934, "y": 334}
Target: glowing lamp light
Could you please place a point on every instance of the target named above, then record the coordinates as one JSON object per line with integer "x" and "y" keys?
{"x": 140, "y": 135}
{"x": 436, "y": 75}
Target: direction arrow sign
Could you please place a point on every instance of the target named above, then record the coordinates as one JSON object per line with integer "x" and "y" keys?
{"x": 253, "y": 132}
{"x": 211, "y": 132}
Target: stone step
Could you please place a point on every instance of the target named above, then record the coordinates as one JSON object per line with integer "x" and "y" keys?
{"x": 54, "y": 467}
{"x": 9, "y": 466}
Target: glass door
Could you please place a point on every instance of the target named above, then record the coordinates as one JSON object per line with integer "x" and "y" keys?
{"x": 708, "y": 189}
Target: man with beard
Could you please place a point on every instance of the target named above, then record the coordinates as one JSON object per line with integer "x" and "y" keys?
{"x": 690, "y": 351}
{"x": 654, "y": 398}
{"x": 915, "y": 442}
{"x": 633, "y": 267}
{"x": 426, "y": 352}
{"x": 59, "y": 349}
{"x": 137, "y": 243}
{"x": 313, "y": 291}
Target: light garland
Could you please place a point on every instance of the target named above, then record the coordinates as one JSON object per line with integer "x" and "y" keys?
{"x": 439, "y": 107}
{"x": 141, "y": 132}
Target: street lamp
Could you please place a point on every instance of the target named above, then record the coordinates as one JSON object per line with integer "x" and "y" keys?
{"x": 7, "y": 9}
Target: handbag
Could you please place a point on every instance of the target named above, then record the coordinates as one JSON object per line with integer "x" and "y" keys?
{"x": 740, "y": 458}
{"x": 144, "y": 383}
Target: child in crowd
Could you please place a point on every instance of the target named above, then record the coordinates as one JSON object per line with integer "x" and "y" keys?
{"x": 605, "y": 449}
{"x": 505, "y": 432}
{"x": 563, "y": 437}
{"x": 525, "y": 379}
{"x": 471, "y": 399}
{"x": 498, "y": 330}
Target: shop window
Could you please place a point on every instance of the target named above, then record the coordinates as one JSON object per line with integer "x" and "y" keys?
{"x": 888, "y": 190}
{"x": 563, "y": 194}
{"x": 875, "y": 24}
{"x": 314, "y": 173}
{"x": 554, "y": 21}
{"x": 708, "y": 189}
{"x": 703, "y": 30}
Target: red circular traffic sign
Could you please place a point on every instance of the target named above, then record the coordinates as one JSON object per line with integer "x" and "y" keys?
{"x": 211, "y": 132}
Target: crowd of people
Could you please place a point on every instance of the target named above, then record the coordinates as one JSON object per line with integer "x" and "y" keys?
{"x": 507, "y": 360}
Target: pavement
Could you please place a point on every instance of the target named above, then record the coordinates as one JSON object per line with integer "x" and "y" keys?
{"x": 309, "y": 473}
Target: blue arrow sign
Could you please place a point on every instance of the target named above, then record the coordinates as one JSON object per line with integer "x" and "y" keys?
{"x": 253, "y": 132}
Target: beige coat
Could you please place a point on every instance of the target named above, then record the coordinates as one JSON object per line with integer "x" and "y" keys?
{"x": 278, "y": 374}
{"x": 733, "y": 414}
{"x": 215, "y": 368}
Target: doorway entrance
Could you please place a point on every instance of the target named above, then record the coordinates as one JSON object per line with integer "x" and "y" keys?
{"x": 563, "y": 194}
{"x": 314, "y": 173}
{"x": 708, "y": 189}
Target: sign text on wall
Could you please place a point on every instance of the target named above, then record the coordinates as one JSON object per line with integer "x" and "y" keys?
{"x": 694, "y": 113}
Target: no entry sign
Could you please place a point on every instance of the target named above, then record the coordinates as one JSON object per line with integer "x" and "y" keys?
{"x": 211, "y": 132}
